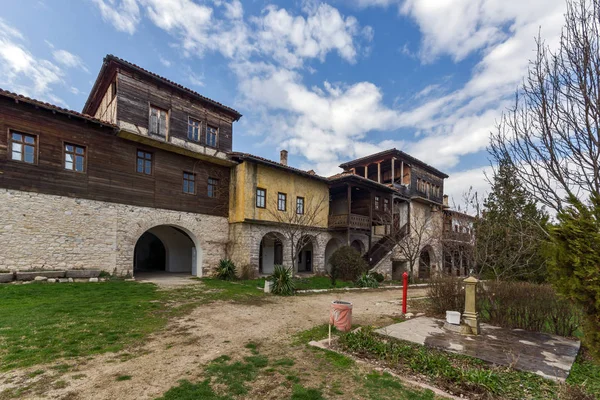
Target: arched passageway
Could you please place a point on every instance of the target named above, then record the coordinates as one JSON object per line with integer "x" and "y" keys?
{"x": 358, "y": 245}
{"x": 425, "y": 264}
{"x": 166, "y": 248}
{"x": 305, "y": 259}
{"x": 270, "y": 252}
{"x": 331, "y": 247}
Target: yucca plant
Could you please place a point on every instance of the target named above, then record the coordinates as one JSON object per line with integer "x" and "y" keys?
{"x": 367, "y": 280}
{"x": 283, "y": 281}
{"x": 226, "y": 270}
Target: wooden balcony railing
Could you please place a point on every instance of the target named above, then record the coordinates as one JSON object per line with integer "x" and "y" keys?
{"x": 356, "y": 221}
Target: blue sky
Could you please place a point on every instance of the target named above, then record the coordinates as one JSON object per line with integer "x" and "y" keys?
{"x": 329, "y": 81}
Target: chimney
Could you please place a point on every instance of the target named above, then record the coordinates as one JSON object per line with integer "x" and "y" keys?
{"x": 283, "y": 157}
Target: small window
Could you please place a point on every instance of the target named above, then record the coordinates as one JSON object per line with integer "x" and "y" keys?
{"x": 211, "y": 136}
{"x": 158, "y": 121}
{"x": 144, "y": 162}
{"x": 300, "y": 205}
{"x": 261, "y": 198}
{"x": 189, "y": 183}
{"x": 281, "y": 201}
{"x": 212, "y": 187}
{"x": 194, "y": 129}
{"x": 23, "y": 147}
{"x": 386, "y": 205}
{"x": 74, "y": 158}
{"x": 113, "y": 90}
{"x": 376, "y": 202}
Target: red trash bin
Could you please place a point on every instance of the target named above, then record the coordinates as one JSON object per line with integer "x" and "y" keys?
{"x": 340, "y": 315}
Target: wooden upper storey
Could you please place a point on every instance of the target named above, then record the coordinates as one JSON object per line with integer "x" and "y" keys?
{"x": 158, "y": 112}
{"x": 49, "y": 150}
{"x": 410, "y": 177}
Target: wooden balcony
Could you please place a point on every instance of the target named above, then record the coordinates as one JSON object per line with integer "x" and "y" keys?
{"x": 355, "y": 221}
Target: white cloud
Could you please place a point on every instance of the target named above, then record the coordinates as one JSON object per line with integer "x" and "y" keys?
{"x": 460, "y": 183}
{"x": 124, "y": 15}
{"x": 23, "y": 73}
{"x": 69, "y": 60}
{"x": 165, "y": 62}
{"x": 291, "y": 39}
{"x": 195, "y": 79}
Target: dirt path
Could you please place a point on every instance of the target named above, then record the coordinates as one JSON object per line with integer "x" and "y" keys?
{"x": 187, "y": 344}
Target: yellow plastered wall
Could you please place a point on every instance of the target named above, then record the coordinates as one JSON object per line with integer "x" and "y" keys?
{"x": 248, "y": 176}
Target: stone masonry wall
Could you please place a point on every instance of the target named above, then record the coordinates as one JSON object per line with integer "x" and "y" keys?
{"x": 39, "y": 231}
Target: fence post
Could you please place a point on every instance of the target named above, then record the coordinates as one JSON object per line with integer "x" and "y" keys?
{"x": 404, "y": 291}
{"x": 470, "y": 317}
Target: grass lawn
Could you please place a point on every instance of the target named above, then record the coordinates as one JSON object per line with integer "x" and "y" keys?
{"x": 41, "y": 322}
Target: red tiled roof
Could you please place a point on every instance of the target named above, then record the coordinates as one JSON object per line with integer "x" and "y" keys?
{"x": 252, "y": 157}
{"x": 110, "y": 57}
{"x": 54, "y": 108}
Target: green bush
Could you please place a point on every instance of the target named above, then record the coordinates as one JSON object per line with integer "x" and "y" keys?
{"x": 283, "y": 281}
{"x": 378, "y": 276}
{"x": 346, "y": 264}
{"x": 574, "y": 261}
{"x": 367, "y": 280}
{"x": 226, "y": 270}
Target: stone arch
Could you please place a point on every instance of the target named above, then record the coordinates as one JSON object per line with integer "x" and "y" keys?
{"x": 358, "y": 245}
{"x": 332, "y": 245}
{"x": 426, "y": 258}
{"x": 181, "y": 249}
{"x": 307, "y": 248}
{"x": 271, "y": 251}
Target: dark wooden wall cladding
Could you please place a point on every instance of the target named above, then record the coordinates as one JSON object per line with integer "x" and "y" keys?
{"x": 111, "y": 165}
{"x": 134, "y": 95}
{"x": 419, "y": 173}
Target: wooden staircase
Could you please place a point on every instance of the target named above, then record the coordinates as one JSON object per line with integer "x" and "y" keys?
{"x": 384, "y": 246}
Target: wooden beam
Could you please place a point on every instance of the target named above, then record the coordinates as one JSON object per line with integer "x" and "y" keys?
{"x": 379, "y": 172}
{"x": 393, "y": 172}
{"x": 402, "y": 172}
{"x": 366, "y": 171}
{"x": 348, "y": 216}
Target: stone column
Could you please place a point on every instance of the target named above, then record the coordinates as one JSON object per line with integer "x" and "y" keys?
{"x": 470, "y": 324}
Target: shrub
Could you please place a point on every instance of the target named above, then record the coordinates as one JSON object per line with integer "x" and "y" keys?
{"x": 378, "y": 276}
{"x": 528, "y": 306}
{"x": 226, "y": 270}
{"x": 446, "y": 293}
{"x": 367, "y": 280}
{"x": 283, "y": 281}
{"x": 522, "y": 305}
{"x": 346, "y": 264}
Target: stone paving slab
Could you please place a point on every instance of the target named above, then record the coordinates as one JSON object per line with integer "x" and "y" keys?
{"x": 547, "y": 355}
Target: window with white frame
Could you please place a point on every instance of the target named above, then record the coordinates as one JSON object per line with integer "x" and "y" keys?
{"x": 158, "y": 121}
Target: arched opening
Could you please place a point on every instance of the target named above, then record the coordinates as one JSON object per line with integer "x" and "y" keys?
{"x": 150, "y": 254}
{"x": 270, "y": 252}
{"x": 331, "y": 247}
{"x": 358, "y": 245}
{"x": 425, "y": 264}
{"x": 166, "y": 248}
{"x": 304, "y": 259}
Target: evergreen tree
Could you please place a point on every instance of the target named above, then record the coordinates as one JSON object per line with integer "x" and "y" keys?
{"x": 511, "y": 232}
{"x": 574, "y": 267}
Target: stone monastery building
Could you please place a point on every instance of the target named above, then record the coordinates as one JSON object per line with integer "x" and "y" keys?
{"x": 144, "y": 179}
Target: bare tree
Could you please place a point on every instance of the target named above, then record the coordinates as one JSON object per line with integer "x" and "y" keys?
{"x": 551, "y": 136}
{"x": 420, "y": 231}
{"x": 458, "y": 241}
{"x": 300, "y": 223}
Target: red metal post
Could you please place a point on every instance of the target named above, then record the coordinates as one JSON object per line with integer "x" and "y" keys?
{"x": 404, "y": 291}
